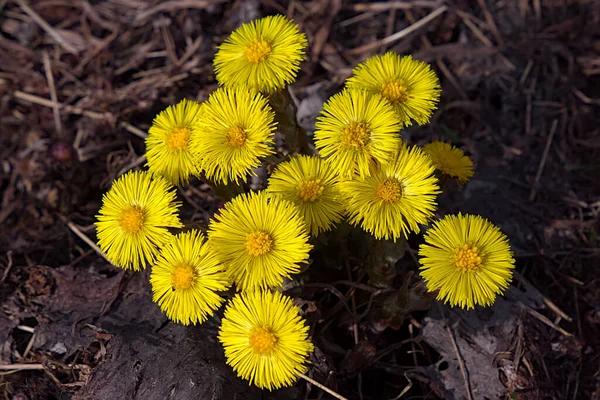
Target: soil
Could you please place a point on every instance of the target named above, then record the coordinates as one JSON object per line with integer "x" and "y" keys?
{"x": 80, "y": 83}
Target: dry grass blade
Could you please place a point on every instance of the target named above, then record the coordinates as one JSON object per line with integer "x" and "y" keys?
{"x": 545, "y": 320}
{"x": 133, "y": 129}
{"x": 9, "y": 265}
{"x": 394, "y": 5}
{"x": 21, "y": 367}
{"x": 586, "y": 99}
{"x": 538, "y": 175}
{"x": 323, "y": 387}
{"x": 83, "y": 237}
{"x": 68, "y": 109}
{"x": 461, "y": 364}
{"x": 175, "y": 5}
{"x": 45, "y": 26}
{"x": 400, "y": 34}
{"x": 53, "y": 97}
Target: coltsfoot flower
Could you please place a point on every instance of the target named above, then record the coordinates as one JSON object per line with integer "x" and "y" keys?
{"x": 411, "y": 86}
{"x": 356, "y": 130}
{"x": 309, "y": 183}
{"x": 263, "y": 55}
{"x": 450, "y": 160}
{"x": 186, "y": 279}
{"x": 236, "y": 131}
{"x": 468, "y": 259}
{"x": 135, "y": 217}
{"x": 396, "y": 198}
{"x": 168, "y": 142}
{"x": 261, "y": 241}
{"x": 265, "y": 339}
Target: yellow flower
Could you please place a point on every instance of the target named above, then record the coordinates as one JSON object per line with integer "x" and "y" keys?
{"x": 450, "y": 161}
{"x": 356, "y": 129}
{"x": 396, "y": 198}
{"x": 265, "y": 340}
{"x": 168, "y": 142}
{"x": 135, "y": 218}
{"x": 263, "y": 55}
{"x": 309, "y": 183}
{"x": 186, "y": 279}
{"x": 235, "y": 130}
{"x": 260, "y": 240}
{"x": 467, "y": 259}
{"x": 411, "y": 86}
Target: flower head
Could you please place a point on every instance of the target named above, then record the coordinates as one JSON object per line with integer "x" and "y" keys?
{"x": 265, "y": 340}
{"x": 186, "y": 279}
{"x": 135, "y": 218}
{"x": 168, "y": 142}
{"x": 259, "y": 240}
{"x": 263, "y": 55}
{"x": 411, "y": 86}
{"x": 309, "y": 183}
{"x": 235, "y": 131}
{"x": 396, "y": 198}
{"x": 355, "y": 130}
{"x": 467, "y": 259}
{"x": 450, "y": 161}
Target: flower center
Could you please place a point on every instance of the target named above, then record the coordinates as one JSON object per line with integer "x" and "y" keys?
{"x": 395, "y": 92}
{"x": 131, "y": 219}
{"x": 259, "y": 243}
{"x": 389, "y": 190}
{"x": 183, "y": 277}
{"x": 467, "y": 258}
{"x": 257, "y": 51}
{"x": 262, "y": 340}
{"x": 178, "y": 139}
{"x": 310, "y": 190}
{"x": 236, "y": 136}
{"x": 355, "y": 134}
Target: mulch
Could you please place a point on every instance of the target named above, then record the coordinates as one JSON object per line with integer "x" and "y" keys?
{"x": 80, "y": 83}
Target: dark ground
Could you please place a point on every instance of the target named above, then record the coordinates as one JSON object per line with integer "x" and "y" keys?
{"x": 80, "y": 82}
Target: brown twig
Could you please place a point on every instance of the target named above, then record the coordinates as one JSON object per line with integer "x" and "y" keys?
{"x": 68, "y": 109}
{"x": 355, "y": 19}
{"x": 9, "y": 265}
{"x": 489, "y": 18}
{"x": 393, "y": 5}
{"x": 537, "y": 9}
{"x": 26, "y": 328}
{"x": 400, "y": 34}
{"x": 538, "y": 175}
{"x": 53, "y": 97}
{"x": 175, "y": 5}
{"x": 441, "y": 65}
{"x": 389, "y": 29}
{"x": 586, "y": 99}
{"x": 45, "y": 26}
{"x": 467, "y": 19}
{"x": 461, "y": 364}
{"x": 133, "y": 129}
{"x": 29, "y": 346}
{"x": 353, "y": 303}
{"x": 84, "y": 237}
{"x": 322, "y": 387}
{"x": 545, "y": 320}
{"x": 476, "y": 31}
{"x": 21, "y": 367}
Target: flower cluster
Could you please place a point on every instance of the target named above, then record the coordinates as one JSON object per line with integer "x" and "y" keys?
{"x": 363, "y": 172}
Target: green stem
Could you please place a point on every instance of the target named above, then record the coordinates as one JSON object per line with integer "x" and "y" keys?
{"x": 285, "y": 115}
